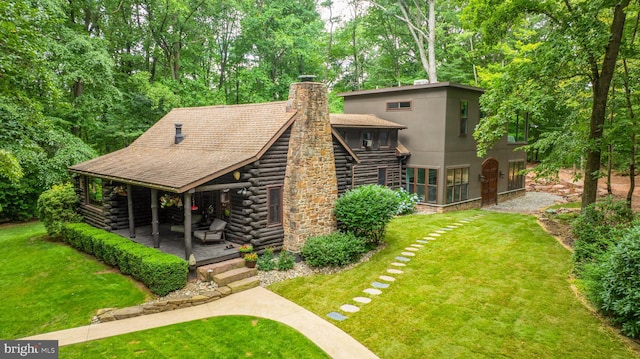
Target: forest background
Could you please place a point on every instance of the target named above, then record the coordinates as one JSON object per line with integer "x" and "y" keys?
{"x": 80, "y": 78}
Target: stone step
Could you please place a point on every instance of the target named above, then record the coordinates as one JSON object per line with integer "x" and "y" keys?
{"x": 234, "y": 275}
{"x": 206, "y": 273}
{"x": 244, "y": 284}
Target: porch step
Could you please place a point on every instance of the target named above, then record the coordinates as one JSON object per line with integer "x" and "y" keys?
{"x": 206, "y": 273}
{"x": 234, "y": 275}
{"x": 244, "y": 284}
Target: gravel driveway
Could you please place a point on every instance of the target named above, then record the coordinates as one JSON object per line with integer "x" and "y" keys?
{"x": 531, "y": 202}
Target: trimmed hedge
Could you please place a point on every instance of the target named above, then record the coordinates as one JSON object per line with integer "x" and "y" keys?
{"x": 160, "y": 272}
{"x": 333, "y": 250}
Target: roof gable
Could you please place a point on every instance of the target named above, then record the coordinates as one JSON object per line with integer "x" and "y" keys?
{"x": 217, "y": 139}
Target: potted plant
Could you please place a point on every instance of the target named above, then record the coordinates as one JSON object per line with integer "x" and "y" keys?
{"x": 245, "y": 248}
{"x": 250, "y": 259}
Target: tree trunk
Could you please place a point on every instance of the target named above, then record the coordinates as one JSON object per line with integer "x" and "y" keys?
{"x": 431, "y": 42}
{"x": 632, "y": 155}
{"x": 601, "y": 83}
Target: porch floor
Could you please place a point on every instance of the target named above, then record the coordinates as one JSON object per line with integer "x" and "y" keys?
{"x": 173, "y": 243}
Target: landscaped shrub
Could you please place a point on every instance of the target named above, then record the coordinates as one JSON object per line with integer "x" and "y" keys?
{"x": 621, "y": 283}
{"x": 336, "y": 249}
{"x": 160, "y": 272}
{"x": 598, "y": 228}
{"x": 57, "y": 206}
{"x": 366, "y": 210}
{"x": 408, "y": 202}
{"x": 265, "y": 261}
{"x": 285, "y": 261}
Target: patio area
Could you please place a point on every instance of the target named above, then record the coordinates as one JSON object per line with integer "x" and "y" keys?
{"x": 173, "y": 243}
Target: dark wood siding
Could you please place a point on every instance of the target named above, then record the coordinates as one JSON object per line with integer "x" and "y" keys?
{"x": 113, "y": 213}
{"x": 344, "y": 167}
{"x": 248, "y": 221}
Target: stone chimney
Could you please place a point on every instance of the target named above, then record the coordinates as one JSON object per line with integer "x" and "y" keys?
{"x": 310, "y": 184}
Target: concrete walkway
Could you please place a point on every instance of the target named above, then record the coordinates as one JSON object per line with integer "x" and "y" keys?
{"x": 257, "y": 302}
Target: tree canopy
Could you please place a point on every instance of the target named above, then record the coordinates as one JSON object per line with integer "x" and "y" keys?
{"x": 83, "y": 78}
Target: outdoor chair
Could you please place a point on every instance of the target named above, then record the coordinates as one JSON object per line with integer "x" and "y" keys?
{"x": 215, "y": 233}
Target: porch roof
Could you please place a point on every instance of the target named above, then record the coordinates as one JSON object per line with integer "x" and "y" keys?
{"x": 361, "y": 120}
{"x": 217, "y": 140}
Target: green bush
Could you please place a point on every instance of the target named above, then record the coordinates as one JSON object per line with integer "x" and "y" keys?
{"x": 407, "y": 202}
{"x": 58, "y": 206}
{"x": 265, "y": 261}
{"x": 285, "y": 261}
{"x": 160, "y": 272}
{"x": 336, "y": 249}
{"x": 366, "y": 210}
{"x": 621, "y": 284}
{"x": 598, "y": 228}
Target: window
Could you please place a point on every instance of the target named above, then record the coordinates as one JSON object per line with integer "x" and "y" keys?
{"x": 367, "y": 139}
{"x": 398, "y": 105}
{"x": 94, "y": 190}
{"x": 382, "y": 176}
{"x": 383, "y": 138}
{"x": 274, "y": 205}
{"x": 518, "y": 128}
{"x": 464, "y": 116}
{"x": 457, "y": 184}
{"x": 516, "y": 177}
{"x": 424, "y": 183}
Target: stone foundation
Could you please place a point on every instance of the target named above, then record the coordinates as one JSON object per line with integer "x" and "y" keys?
{"x": 470, "y": 204}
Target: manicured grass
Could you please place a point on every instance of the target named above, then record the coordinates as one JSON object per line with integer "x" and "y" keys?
{"x": 48, "y": 286}
{"x": 496, "y": 287}
{"x": 217, "y": 337}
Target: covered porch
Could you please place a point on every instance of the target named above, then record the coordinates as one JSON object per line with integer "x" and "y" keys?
{"x": 173, "y": 243}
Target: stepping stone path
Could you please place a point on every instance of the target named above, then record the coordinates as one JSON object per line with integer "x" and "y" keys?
{"x": 400, "y": 261}
{"x": 380, "y": 285}
{"x": 373, "y": 291}
{"x": 349, "y": 308}
{"x": 362, "y": 300}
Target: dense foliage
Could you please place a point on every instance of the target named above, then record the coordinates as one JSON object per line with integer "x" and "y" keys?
{"x": 160, "y": 272}
{"x": 333, "y": 250}
{"x": 598, "y": 228}
{"x": 56, "y": 207}
{"x": 607, "y": 261}
{"x": 366, "y": 210}
{"x": 79, "y": 78}
{"x": 621, "y": 284}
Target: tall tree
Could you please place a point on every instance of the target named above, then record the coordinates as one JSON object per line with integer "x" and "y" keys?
{"x": 593, "y": 31}
{"x": 420, "y": 19}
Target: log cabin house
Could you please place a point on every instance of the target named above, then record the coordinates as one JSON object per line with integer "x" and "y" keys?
{"x": 271, "y": 171}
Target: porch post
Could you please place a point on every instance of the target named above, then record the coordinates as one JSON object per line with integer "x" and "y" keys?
{"x": 132, "y": 223}
{"x": 155, "y": 232}
{"x": 187, "y": 224}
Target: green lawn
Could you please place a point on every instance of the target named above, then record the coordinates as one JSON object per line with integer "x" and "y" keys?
{"x": 497, "y": 287}
{"x": 48, "y": 286}
{"x": 218, "y": 337}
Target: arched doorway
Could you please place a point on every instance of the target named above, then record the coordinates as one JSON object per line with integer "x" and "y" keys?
{"x": 489, "y": 179}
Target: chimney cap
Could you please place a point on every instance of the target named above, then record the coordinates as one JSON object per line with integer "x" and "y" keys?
{"x": 307, "y": 78}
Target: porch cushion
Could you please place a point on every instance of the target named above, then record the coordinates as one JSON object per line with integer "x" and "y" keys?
{"x": 215, "y": 232}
